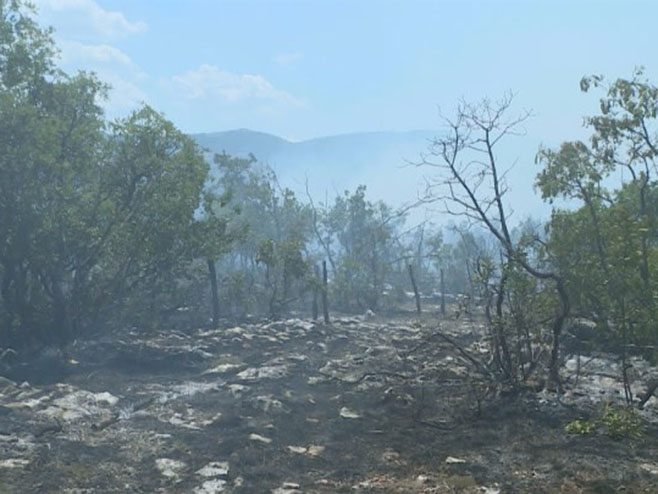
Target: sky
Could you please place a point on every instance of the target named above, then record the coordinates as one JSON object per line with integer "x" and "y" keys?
{"x": 301, "y": 69}
{"x": 307, "y": 68}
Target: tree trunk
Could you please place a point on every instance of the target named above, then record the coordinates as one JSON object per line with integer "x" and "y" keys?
{"x": 325, "y": 306}
{"x": 443, "y": 295}
{"x": 415, "y": 287}
{"x": 212, "y": 272}
{"x": 315, "y": 307}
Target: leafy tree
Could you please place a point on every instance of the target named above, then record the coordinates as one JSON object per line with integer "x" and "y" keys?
{"x": 91, "y": 211}
{"x": 361, "y": 240}
{"x": 606, "y": 247}
{"x": 271, "y": 261}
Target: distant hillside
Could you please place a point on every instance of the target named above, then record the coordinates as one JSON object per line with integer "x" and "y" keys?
{"x": 241, "y": 142}
{"x": 332, "y": 164}
{"x": 345, "y": 150}
{"x": 380, "y": 160}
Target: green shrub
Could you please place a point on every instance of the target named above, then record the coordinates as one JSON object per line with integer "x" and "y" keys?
{"x": 615, "y": 422}
{"x": 621, "y": 423}
{"x": 581, "y": 427}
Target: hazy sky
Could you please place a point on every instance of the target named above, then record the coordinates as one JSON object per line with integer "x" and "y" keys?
{"x": 308, "y": 68}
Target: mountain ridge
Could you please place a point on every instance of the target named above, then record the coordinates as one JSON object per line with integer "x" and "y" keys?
{"x": 381, "y": 160}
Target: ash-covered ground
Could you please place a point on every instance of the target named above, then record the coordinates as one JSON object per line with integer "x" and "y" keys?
{"x": 365, "y": 404}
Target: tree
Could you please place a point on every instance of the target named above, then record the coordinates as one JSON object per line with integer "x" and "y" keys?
{"x": 472, "y": 185}
{"x": 270, "y": 263}
{"x": 607, "y": 246}
{"x": 360, "y": 238}
{"x": 91, "y": 212}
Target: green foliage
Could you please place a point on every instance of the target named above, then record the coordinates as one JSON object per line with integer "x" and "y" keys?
{"x": 607, "y": 248}
{"x": 269, "y": 261}
{"x": 580, "y": 427}
{"x": 621, "y": 423}
{"x": 360, "y": 239}
{"x": 615, "y": 422}
{"x": 92, "y": 212}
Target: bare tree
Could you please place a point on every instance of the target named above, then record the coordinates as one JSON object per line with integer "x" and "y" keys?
{"x": 470, "y": 184}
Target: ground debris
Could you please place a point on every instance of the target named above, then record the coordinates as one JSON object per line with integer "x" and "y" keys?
{"x": 377, "y": 405}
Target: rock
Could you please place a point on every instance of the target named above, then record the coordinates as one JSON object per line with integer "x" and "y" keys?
{"x": 211, "y": 487}
{"x": 223, "y": 368}
{"x": 237, "y": 389}
{"x": 259, "y": 438}
{"x": 346, "y": 413}
{"x": 288, "y": 488}
{"x": 422, "y": 479}
{"x": 267, "y": 403}
{"x": 214, "y": 469}
{"x": 79, "y": 404}
{"x": 315, "y": 450}
{"x": 170, "y": 468}
{"x": 265, "y": 372}
{"x": 14, "y": 463}
{"x": 307, "y": 450}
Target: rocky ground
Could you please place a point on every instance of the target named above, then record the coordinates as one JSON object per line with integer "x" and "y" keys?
{"x": 365, "y": 404}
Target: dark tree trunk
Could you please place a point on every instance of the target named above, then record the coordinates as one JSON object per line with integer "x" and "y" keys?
{"x": 315, "y": 307}
{"x": 212, "y": 273}
{"x": 443, "y": 295}
{"x": 325, "y": 304}
{"x": 414, "y": 286}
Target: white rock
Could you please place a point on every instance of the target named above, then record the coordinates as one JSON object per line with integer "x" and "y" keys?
{"x": 346, "y": 413}
{"x": 287, "y": 488}
{"x": 80, "y": 404}
{"x": 214, "y": 469}
{"x": 170, "y": 468}
{"x": 265, "y": 372}
{"x": 269, "y": 403}
{"x": 222, "y": 368}
{"x": 211, "y": 487}
{"x": 307, "y": 450}
{"x": 259, "y": 438}
{"x": 14, "y": 463}
{"x": 422, "y": 479}
{"x": 315, "y": 450}
{"x": 237, "y": 389}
